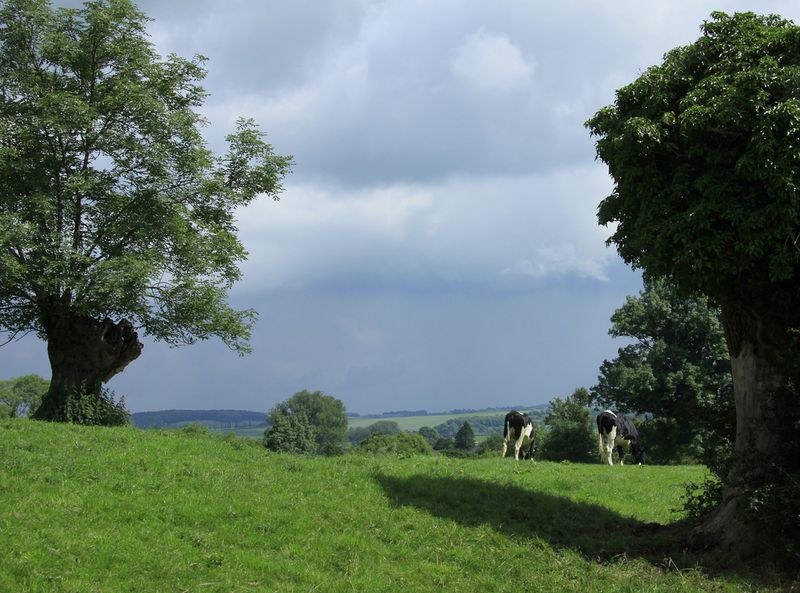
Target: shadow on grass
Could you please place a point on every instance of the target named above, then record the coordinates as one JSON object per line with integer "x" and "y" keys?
{"x": 592, "y": 530}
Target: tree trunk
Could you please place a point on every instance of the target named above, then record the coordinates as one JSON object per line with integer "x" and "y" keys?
{"x": 84, "y": 354}
{"x": 756, "y": 344}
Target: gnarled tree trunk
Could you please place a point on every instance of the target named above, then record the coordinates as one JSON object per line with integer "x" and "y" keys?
{"x": 84, "y": 354}
{"x": 756, "y": 342}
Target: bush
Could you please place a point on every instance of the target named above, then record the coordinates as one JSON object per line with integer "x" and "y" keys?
{"x": 358, "y": 434}
{"x": 443, "y": 443}
{"x": 569, "y": 435}
{"x": 194, "y": 428}
{"x": 96, "y": 410}
{"x": 491, "y": 446}
{"x": 431, "y": 434}
{"x": 403, "y": 444}
{"x": 291, "y": 433}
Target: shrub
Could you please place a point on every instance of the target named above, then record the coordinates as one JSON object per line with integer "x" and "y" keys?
{"x": 358, "y": 434}
{"x": 404, "y": 444}
{"x": 491, "y": 446}
{"x": 291, "y": 433}
{"x": 431, "y": 434}
{"x": 569, "y": 436}
{"x": 443, "y": 443}
{"x": 100, "y": 410}
{"x": 195, "y": 428}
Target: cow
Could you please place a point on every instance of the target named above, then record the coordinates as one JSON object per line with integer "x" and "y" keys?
{"x": 616, "y": 430}
{"x": 519, "y": 429}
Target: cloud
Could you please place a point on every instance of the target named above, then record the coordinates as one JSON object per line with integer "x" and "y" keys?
{"x": 560, "y": 259}
{"x": 437, "y": 244}
{"x": 489, "y": 62}
{"x": 463, "y": 231}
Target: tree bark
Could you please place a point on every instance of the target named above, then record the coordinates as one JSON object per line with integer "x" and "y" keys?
{"x": 756, "y": 342}
{"x": 84, "y": 354}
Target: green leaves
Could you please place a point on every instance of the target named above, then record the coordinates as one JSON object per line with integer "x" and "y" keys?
{"x": 323, "y": 413}
{"x": 676, "y": 370}
{"x": 111, "y": 204}
{"x": 704, "y": 152}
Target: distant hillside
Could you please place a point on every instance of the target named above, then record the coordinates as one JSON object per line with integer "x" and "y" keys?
{"x": 417, "y": 413}
{"x": 171, "y": 418}
{"x": 243, "y": 419}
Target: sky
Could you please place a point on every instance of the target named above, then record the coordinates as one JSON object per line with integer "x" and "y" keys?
{"x": 436, "y": 245}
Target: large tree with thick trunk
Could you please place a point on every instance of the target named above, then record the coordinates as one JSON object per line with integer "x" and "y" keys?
{"x": 704, "y": 150}
{"x": 115, "y": 217}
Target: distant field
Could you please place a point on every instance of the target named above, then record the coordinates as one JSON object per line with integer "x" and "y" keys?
{"x": 416, "y": 422}
{"x": 409, "y": 423}
{"x": 111, "y": 510}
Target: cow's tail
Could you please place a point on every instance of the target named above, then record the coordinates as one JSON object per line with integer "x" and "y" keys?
{"x": 506, "y": 430}
{"x": 600, "y": 444}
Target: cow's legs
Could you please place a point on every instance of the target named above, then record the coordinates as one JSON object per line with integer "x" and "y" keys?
{"x": 518, "y": 446}
{"x": 609, "y": 444}
{"x": 505, "y": 447}
{"x": 621, "y": 451}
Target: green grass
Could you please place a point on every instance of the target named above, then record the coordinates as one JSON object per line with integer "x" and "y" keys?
{"x": 96, "y": 510}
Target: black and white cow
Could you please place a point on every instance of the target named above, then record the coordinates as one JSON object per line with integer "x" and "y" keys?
{"x": 616, "y": 430}
{"x": 519, "y": 429}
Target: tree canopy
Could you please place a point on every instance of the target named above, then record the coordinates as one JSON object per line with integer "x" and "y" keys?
{"x": 704, "y": 153}
{"x": 324, "y": 414}
{"x": 21, "y": 395}
{"x": 291, "y": 433}
{"x": 115, "y": 215}
{"x": 676, "y": 371}
{"x": 568, "y": 435}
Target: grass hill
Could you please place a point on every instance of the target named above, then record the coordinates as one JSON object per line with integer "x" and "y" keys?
{"x": 124, "y": 510}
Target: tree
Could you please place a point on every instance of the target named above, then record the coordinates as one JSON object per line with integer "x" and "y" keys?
{"x": 291, "y": 433}
{"x": 402, "y": 444}
{"x": 676, "y": 371}
{"x": 115, "y": 217}
{"x": 357, "y": 434}
{"x": 491, "y": 446}
{"x": 22, "y": 394}
{"x": 465, "y": 438}
{"x": 443, "y": 443}
{"x": 324, "y": 413}
{"x": 703, "y": 150}
{"x": 569, "y": 436}
{"x": 431, "y": 434}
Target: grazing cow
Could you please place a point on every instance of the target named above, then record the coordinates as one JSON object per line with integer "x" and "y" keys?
{"x": 616, "y": 430}
{"x": 519, "y": 429}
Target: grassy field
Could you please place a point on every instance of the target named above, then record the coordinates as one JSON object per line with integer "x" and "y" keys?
{"x": 408, "y": 423}
{"x": 96, "y": 510}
